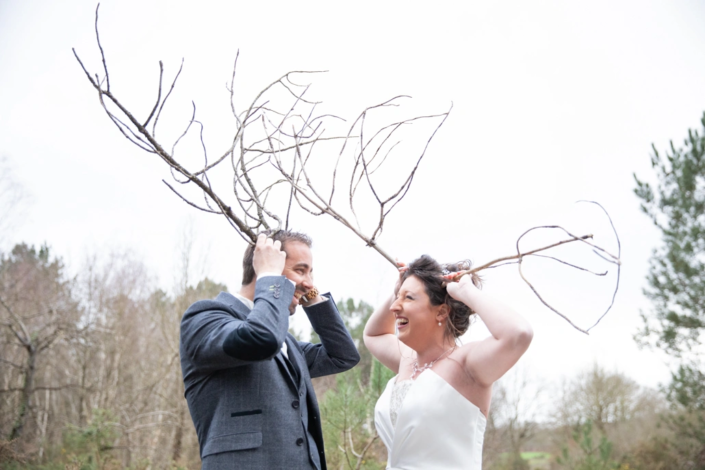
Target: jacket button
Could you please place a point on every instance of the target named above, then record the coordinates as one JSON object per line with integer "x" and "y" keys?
{"x": 300, "y": 441}
{"x": 295, "y": 404}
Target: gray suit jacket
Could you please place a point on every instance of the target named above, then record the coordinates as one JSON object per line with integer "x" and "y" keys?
{"x": 249, "y": 409}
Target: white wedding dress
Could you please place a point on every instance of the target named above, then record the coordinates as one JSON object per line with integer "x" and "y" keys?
{"x": 436, "y": 427}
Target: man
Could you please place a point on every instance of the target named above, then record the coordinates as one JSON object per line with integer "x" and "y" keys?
{"x": 248, "y": 382}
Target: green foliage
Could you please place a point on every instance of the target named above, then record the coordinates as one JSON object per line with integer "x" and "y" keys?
{"x": 512, "y": 461}
{"x": 347, "y": 413}
{"x": 355, "y": 317}
{"x": 89, "y": 447}
{"x": 347, "y": 410}
{"x": 589, "y": 456}
{"x": 82, "y": 448}
{"x": 652, "y": 454}
{"x": 677, "y": 207}
{"x": 687, "y": 388}
{"x": 522, "y": 461}
{"x": 676, "y": 285}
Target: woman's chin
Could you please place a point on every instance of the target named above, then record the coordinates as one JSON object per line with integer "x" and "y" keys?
{"x": 404, "y": 337}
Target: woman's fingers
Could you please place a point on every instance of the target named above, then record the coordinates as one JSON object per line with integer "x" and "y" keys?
{"x": 455, "y": 277}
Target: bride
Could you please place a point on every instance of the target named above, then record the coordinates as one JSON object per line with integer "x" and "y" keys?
{"x": 432, "y": 414}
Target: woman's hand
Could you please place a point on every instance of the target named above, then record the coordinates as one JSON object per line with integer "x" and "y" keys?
{"x": 402, "y": 269}
{"x": 461, "y": 288}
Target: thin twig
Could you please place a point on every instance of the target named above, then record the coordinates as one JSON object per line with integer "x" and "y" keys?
{"x": 159, "y": 95}
{"x": 189, "y": 202}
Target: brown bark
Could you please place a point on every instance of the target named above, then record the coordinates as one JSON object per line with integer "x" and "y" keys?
{"x": 27, "y": 390}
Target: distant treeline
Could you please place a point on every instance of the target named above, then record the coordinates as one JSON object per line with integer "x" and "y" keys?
{"x": 90, "y": 379}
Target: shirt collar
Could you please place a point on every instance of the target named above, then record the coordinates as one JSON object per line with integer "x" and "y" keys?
{"x": 248, "y": 303}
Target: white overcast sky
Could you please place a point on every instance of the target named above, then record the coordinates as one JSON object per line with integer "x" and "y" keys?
{"x": 553, "y": 102}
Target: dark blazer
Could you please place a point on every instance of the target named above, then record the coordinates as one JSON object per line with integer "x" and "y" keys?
{"x": 252, "y": 407}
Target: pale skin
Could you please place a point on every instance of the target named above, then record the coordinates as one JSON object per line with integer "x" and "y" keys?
{"x": 471, "y": 368}
{"x": 294, "y": 261}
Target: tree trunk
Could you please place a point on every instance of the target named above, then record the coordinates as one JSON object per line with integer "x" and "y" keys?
{"x": 178, "y": 437}
{"x": 27, "y": 390}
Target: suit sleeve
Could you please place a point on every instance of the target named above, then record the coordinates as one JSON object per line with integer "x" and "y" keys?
{"x": 213, "y": 337}
{"x": 336, "y": 352}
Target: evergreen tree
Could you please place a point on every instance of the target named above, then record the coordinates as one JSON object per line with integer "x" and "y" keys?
{"x": 676, "y": 281}
{"x": 347, "y": 408}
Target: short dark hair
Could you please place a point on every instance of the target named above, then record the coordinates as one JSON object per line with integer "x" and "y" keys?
{"x": 284, "y": 236}
{"x": 429, "y": 272}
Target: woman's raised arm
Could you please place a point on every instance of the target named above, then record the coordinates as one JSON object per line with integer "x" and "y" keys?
{"x": 489, "y": 359}
{"x": 380, "y": 337}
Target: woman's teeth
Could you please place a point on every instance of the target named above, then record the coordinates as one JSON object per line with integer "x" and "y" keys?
{"x": 402, "y": 321}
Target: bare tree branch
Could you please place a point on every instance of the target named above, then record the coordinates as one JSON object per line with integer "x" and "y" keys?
{"x": 271, "y": 162}
{"x": 189, "y": 202}
{"x": 520, "y": 256}
{"x": 159, "y": 95}
{"x": 27, "y": 338}
{"x": 17, "y": 366}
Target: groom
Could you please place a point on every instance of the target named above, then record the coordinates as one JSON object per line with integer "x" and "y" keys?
{"x": 248, "y": 382}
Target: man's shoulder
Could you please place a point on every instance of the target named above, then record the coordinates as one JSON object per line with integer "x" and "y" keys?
{"x": 224, "y": 302}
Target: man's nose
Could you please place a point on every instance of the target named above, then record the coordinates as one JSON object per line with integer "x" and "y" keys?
{"x": 307, "y": 281}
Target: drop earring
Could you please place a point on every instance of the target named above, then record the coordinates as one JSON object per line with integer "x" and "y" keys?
{"x": 439, "y": 323}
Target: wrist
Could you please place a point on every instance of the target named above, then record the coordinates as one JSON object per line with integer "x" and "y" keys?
{"x": 466, "y": 293}
{"x": 268, "y": 273}
{"x": 316, "y": 300}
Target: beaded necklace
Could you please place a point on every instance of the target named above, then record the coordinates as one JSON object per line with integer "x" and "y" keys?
{"x": 417, "y": 370}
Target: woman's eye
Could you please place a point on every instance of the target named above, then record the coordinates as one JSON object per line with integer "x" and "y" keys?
{"x": 409, "y": 297}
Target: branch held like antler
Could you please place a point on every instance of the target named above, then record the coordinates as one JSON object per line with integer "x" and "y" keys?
{"x": 274, "y": 169}
{"x": 521, "y": 255}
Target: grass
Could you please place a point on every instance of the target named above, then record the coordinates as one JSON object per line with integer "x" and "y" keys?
{"x": 535, "y": 455}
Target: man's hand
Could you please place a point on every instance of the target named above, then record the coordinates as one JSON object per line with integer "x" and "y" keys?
{"x": 268, "y": 257}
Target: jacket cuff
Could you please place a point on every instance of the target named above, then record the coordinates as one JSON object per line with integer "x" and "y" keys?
{"x": 320, "y": 307}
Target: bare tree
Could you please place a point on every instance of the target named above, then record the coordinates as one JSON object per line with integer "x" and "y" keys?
{"x": 283, "y": 155}
{"x": 618, "y": 409}
{"x": 514, "y": 419}
{"x": 37, "y": 310}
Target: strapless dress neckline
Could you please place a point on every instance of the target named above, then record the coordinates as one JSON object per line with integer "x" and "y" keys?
{"x": 436, "y": 427}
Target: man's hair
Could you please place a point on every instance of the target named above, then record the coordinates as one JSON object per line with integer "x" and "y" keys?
{"x": 284, "y": 236}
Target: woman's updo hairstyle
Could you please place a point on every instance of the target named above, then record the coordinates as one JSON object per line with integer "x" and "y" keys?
{"x": 428, "y": 271}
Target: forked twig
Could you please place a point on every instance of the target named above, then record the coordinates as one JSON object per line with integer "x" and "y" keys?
{"x": 520, "y": 256}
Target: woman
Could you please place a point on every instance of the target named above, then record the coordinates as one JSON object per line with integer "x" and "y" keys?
{"x": 432, "y": 415}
